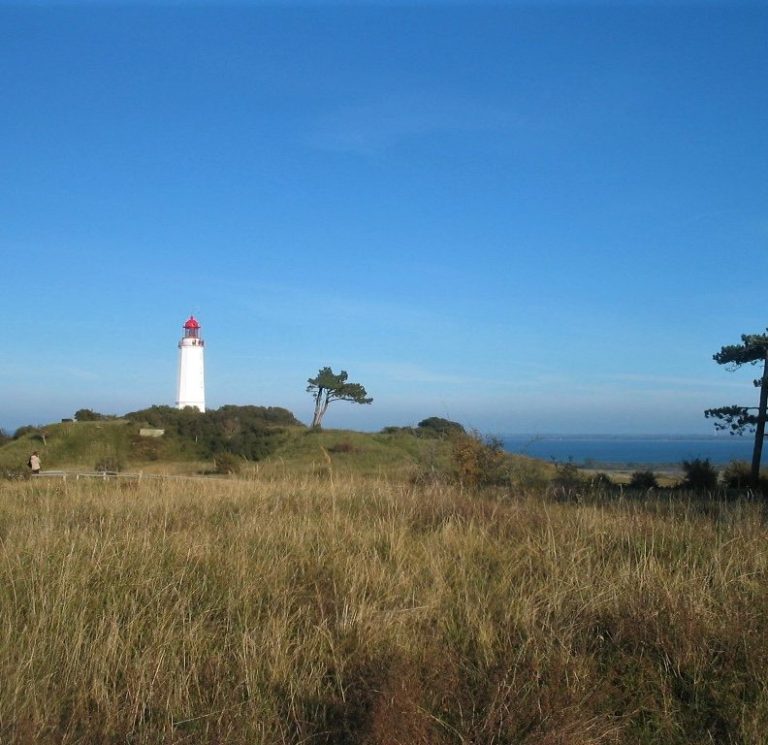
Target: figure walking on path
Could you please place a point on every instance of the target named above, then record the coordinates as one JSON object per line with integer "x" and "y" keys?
{"x": 34, "y": 462}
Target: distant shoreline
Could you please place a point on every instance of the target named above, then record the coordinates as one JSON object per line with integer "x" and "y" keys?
{"x": 612, "y": 452}
{"x": 598, "y": 436}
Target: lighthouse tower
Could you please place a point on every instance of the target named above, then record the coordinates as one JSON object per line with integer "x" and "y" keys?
{"x": 191, "y": 382}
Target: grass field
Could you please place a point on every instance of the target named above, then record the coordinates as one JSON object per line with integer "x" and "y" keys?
{"x": 355, "y": 610}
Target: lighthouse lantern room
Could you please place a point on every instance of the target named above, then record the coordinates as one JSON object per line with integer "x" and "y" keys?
{"x": 191, "y": 380}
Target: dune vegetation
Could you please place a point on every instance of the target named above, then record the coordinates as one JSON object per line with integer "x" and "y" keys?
{"x": 332, "y": 607}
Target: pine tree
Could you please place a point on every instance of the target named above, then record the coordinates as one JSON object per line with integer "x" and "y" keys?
{"x": 740, "y": 419}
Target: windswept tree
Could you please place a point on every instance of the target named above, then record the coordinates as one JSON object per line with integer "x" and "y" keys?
{"x": 327, "y": 386}
{"x": 740, "y": 419}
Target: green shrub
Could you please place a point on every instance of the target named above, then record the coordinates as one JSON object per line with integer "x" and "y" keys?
{"x": 567, "y": 482}
{"x": 88, "y": 415}
{"x": 227, "y": 463}
{"x": 479, "y": 461}
{"x": 253, "y": 432}
{"x": 601, "y": 481}
{"x": 736, "y": 475}
{"x": 436, "y": 426}
{"x": 391, "y": 430}
{"x": 527, "y": 474}
{"x": 699, "y": 474}
{"x": 644, "y": 480}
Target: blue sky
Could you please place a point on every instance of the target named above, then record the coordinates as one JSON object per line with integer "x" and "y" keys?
{"x": 528, "y": 218}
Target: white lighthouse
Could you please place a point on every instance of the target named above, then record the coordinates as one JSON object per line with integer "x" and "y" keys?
{"x": 191, "y": 382}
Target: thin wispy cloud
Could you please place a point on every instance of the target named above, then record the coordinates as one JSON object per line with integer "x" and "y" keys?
{"x": 287, "y": 304}
{"x": 369, "y": 127}
{"x": 50, "y": 372}
{"x": 405, "y": 372}
{"x": 673, "y": 381}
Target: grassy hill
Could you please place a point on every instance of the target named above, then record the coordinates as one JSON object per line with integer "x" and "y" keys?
{"x": 83, "y": 445}
{"x": 396, "y": 454}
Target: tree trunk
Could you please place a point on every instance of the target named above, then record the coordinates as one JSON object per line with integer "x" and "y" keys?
{"x": 318, "y": 406}
{"x": 757, "y": 453}
{"x": 321, "y": 406}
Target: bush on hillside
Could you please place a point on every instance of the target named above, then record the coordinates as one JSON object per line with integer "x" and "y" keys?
{"x": 601, "y": 481}
{"x": 88, "y": 415}
{"x": 392, "y": 430}
{"x": 190, "y": 419}
{"x": 699, "y": 475}
{"x": 227, "y": 463}
{"x": 479, "y": 461}
{"x": 644, "y": 480}
{"x": 252, "y": 432}
{"x": 568, "y": 482}
{"x": 528, "y": 474}
{"x": 436, "y": 426}
{"x": 737, "y": 474}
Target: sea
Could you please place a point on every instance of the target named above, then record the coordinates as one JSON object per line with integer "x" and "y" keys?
{"x": 616, "y": 451}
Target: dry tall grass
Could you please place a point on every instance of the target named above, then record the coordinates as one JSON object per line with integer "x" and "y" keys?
{"x": 358, "y": 612}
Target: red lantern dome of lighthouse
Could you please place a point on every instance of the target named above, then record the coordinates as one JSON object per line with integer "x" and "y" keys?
{"x": 192, "y": 329}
